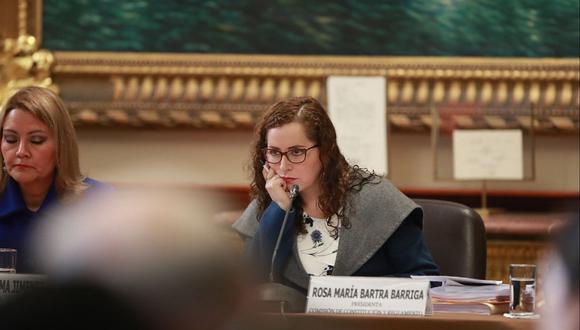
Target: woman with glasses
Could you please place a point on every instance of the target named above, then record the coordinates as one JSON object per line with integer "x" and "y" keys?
{"x": 40, "y": 166}
{"x": 345, "y": 220}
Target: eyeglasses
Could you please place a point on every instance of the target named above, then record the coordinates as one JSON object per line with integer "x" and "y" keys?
{"x": 294, "y": 155}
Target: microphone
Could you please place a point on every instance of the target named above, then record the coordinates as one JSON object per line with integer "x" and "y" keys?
{"x": 276, "y": 295}
{"x": 293, "y": 193}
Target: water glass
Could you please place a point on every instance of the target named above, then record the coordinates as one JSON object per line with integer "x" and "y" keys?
{"x": 7, "y": 260}
{"x": 522, "y": 291}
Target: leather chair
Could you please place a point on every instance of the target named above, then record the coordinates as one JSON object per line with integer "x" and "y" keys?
{"x": 455, "y": 235}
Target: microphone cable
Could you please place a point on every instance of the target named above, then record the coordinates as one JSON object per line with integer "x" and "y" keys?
{"x": 293, "y": 193}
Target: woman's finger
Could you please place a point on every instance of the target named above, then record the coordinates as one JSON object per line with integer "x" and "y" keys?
{"x": 276, "y": 188}
{"x": 271, "y": 173}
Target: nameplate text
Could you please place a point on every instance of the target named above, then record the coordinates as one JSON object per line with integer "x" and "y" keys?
{"x": 368, "y": 295}
{"x": 12, "y": 284}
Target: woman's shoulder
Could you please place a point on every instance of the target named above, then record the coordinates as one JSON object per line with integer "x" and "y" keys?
{"x": 383, "y": 197}
{"x": 381, "y": 188}
{"x": 92, "y": 182}
{"x": 247, "y": 223}
{"x": 95, "y": 185}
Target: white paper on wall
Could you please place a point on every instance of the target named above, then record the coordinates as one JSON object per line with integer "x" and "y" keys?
{"x": 357, "y": 107}
{"x": 488, "y": 154}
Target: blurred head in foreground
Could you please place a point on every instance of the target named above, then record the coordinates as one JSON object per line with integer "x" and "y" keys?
{"x": 561, "y": 281}
{"x": 158, "y": 252}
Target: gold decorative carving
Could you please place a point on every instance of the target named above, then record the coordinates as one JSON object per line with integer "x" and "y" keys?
{"x": 161, "y": 90}
{"x": 566, "y": 94}
{"x": 400, "y": 120}
{"x": 534, "y": 92}
{"x": 132, "y": 89}
{"x": 407, "y": 92}
{"x": 422, "y": 92}
{"x": 147, "y": 88}
{"x": 562, "y": 123}
{"x": 23, "y": 64}
{"x": 191, "y": 90}
{"x": 502, "y": 92}
{"x": 455, "y": 91}
{"x": 427, "y": 120}
{"x": 88, "y": 116}
{"x": 439, "y": 92}
{"x": 229, "y": 91}
{"x": 222, "y": 89}
{"x": 176, "y": 89}
{"x": 206, "y": 88}
{"x": 496, "y": 122}
{"x": 242, "y": 118}
{"x": 149, "y": 116}
{"x": 179, "y": 117}
{"x": 283, "y": 89}
{"x": 118, "y": 116}
{"x": 471, "y": 92}
{"x": 464, "y": 121}
{"x": 392, "y": 91}
{"x": 315, "y": 89}
{"x": 550, "y": 94}
{"x": 211, "y": 117}
{"x": 486, "y": 92}
{"x": 238, "y": 89}
{"x": 518, "y": 93}
{"x": 299, "y": 88}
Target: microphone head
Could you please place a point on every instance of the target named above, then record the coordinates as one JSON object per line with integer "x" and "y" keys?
{"x": 294, "y": 191}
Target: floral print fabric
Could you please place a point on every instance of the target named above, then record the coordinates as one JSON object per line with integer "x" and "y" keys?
{"x": 317, "y": 248}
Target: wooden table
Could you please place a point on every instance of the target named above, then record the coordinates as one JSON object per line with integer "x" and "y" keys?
{"x": 303, "y": 321}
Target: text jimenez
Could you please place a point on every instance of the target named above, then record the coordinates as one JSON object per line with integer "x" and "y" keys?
{"x": 362, "y": 293}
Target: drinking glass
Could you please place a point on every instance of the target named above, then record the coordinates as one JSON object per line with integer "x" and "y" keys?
{"x": 7, "y": 260}
{"x": 522, "y": 291}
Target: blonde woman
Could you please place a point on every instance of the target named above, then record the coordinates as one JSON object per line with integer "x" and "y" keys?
{"x": 40, "y": 165}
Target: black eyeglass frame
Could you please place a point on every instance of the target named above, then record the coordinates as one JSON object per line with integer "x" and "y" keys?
{"x": 285, "y": 154}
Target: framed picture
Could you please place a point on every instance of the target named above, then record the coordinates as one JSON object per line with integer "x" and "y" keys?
{"x": 218, "y": 64}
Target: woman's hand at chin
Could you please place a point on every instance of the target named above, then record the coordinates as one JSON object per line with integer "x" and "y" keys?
{"x": 276, "y": 187}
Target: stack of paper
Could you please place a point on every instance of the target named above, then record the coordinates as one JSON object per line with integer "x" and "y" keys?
{"x": 455, "y": 280}
{"x": 486, "y": 308}
{"x": 477, "y": 296}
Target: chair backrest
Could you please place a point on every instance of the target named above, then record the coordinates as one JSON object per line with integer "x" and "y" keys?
{"x": 455, "y": 234}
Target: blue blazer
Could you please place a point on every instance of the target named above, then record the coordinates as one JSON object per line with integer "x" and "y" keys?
{"x": 17, "y": 221}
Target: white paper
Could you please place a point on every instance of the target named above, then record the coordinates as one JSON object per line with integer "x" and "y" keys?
{"x": 488, "y": 154}
{"x": 368, "y": 295}
{"x": 455, "y": 280}
{"x": 484, "y": 293}
{"x": 357, "y": 107}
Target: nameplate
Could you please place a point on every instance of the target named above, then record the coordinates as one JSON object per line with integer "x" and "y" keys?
{"x": 368, "y": 295}
{"x": 12, "y": 284}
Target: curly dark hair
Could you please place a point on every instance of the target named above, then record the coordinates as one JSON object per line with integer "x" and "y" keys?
{"x": 337, "y": 177}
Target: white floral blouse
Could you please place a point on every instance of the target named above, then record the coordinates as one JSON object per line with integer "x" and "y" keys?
{"x": 317, "y": 248}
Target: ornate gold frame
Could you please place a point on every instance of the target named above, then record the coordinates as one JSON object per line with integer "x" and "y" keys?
{"x": 231, "y": 91}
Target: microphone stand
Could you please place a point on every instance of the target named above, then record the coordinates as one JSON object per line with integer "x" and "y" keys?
{"x": 274, "y": 295}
